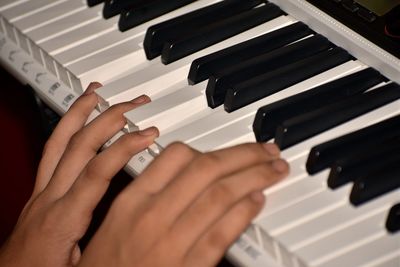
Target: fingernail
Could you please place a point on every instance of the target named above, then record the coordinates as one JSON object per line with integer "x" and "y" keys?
{"x": 280, "y": 165}
{"x": 140, "y": 99}
{"x": 272, "y": 149}
{"x": 92, "y": 87}
{"x": 149, "y": 131}
{"x": 258, "y": 197}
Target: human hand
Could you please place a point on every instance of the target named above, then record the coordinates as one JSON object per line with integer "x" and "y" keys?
{"x": 186, "y": 208}
{"x": 71, "y": 180}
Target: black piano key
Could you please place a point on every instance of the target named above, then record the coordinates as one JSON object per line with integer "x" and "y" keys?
{"x": 324, "y": 155}
{"x": 202, "y": 68}
{"x": 369, "y": 159}
{"x": 133, "y": 17}
{"x": 220, "y": 82}
{"x": 157, "y": 35}
{"x": 376, "y": 184}
{"x": 244, "y": 93}
{"x": 307, "y": 125}
{"x": 270, "y": 116}
{"x": 393, "y": 220}
{"x": 114, "y": 7}
{"x": 212, "y": 34}
{"x": 94, "y": 2}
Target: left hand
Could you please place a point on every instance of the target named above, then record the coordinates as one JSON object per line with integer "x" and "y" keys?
{"x": 70, "y": 182}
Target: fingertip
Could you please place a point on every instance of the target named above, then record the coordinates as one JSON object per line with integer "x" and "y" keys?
{"x": 152, "y": 131}
{"x": 92, "y": 87}
{"x": 258, "y": 197}
{"x": 272, "y": 149}
{"x": 280, "y": 166}
{"x": 95, "y": 85}
{"x": 141, "y": 99}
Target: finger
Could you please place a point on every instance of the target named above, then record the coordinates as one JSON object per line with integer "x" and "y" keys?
{"x": 72, "y": 121}
{"x": 94, "y": 180}
{"x": 163, "y": 169}
{"x": 85, "y": 144}
{"x": 212, "y": 246}
{"x": 222, "y": 196}
{"x": 206, "y": 169}
{"x": 158, "y": 203}
{"x": 76, "y": 255}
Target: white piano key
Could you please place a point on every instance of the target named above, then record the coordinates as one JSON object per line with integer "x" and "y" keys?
{"x": 247, "y": 138}
{"x": 2, "y": 29}
{"x": 116, "y": 37}
{"x": 389, "y": 261}
{"x": 220, "y": 118}
{"x": 108, "y": 63}
{"x": 308, "y": 234}
{"x": 23, "y": 41}
{"x": 65, "y": 24}
{"x": 168, "y": 110}
{"x": 303, "y": 211}
{"x": 62, "y": 74}
{"x": 332, "y": 234}
{"x": 380, "y": 245}
{"x": 59, "y": 28}
{"x": 7, "y": 4}
{"x": 28, "y": 8}
{"x": 105, "y": 65}
{"x": 95, "y": 46}
{"x": 10, "y": 31}
{"x": 49, "y": 15}
{"x": 297, "y": 173}
{"x": 220, "y": 138}
{"x": 156, "y": 76}
{"x": 342, "y": 242}
{"x": 35, "y": 52}
{"x": 290, "y": 191}
{"x": 79, "y": 36}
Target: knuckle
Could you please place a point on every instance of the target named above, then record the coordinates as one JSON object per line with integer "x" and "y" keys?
{"x": 76, "y": 139}
{"x": 263, "y": 176}
{"x": 148, "y": 219}
{"x": 49, "y": 146}
{"x": 217, "y": 240}
{"x": 163, "y": 256}
{"x": 91, "y": 171}
{"x": 121, "y": 203}
{"x": 115, "y": 108}
{"x": 222, "y": 194}
{"x": 179, "y": 148}
{"x": 128, "y": 141}
{"x": 262, "y": 173}
{"x": 119, "y": 108}
{"x": 130, "y": 144}
{"x": 255, "y": 149}
{"x": 209, "y": 162}
{"x": 115, "y": 113}
{"x": 49, "y": 219}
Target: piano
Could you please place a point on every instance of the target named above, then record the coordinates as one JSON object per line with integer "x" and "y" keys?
{"x": 318, "y": 77}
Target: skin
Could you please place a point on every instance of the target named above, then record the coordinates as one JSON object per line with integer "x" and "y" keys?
{"x": 185, "y": 209}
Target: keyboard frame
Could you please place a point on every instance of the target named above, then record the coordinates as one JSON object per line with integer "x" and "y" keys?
{"x": 341, "y": 35}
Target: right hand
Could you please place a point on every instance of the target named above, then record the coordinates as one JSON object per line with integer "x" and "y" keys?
{"x": 186, "y": 208}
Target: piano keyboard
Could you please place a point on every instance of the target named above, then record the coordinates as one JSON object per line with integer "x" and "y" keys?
{"x": 325, "y": 94}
